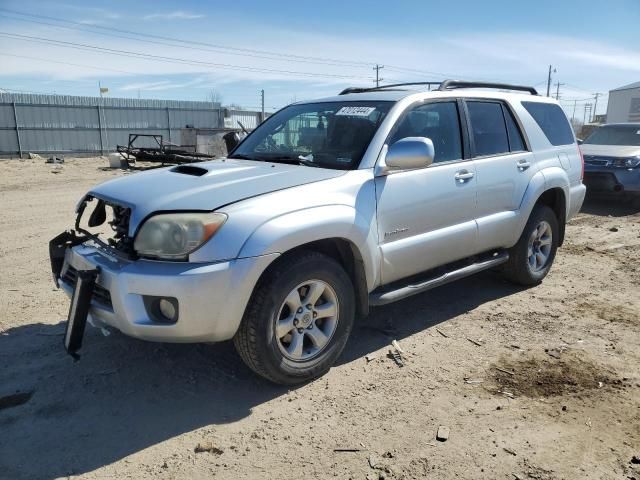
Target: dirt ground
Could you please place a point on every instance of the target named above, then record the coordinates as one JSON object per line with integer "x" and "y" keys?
{"x": 538, "y": 383}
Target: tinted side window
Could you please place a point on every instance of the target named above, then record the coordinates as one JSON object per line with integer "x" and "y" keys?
{"x": 488, "y": 128}
{"x": 516, "y": 144}
{"x": 437, "y": 121}
{"x": 552, "y": 121}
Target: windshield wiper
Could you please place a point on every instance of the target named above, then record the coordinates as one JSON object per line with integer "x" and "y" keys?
{"x": 290, "y": 159}
{"x": 240, "y": 156}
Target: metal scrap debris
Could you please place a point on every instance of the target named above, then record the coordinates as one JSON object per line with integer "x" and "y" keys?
{"x": 396, "y": 353}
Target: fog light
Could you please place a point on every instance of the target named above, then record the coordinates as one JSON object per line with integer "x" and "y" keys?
{"x": 161, "y": 309}
{"x": 168, "y": 309}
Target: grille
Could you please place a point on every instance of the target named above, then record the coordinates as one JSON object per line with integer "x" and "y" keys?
{"x": 597, "y": 161}
{"x": 100, "y": 294}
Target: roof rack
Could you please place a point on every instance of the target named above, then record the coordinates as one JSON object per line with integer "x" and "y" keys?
{"x": 384, "y": 87}
{"x": 451, "y": 84}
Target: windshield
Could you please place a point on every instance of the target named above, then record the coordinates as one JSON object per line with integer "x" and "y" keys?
{"x": 615, "y": 135}
{"x": 328, "y": 135}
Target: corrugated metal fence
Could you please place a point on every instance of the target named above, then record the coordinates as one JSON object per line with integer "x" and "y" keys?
{"x": 69, "y": 124}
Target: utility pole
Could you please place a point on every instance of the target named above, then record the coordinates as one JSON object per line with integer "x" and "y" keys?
{"x": 573, "y": 115}
{"x": 262, "y": 103}
{"x": 587, "y": 107}
{"x": 377, "y": 68}
{"x": 549, "y": 79}
{"x": 558, "y": 85}
{"x": 595, "y": 107}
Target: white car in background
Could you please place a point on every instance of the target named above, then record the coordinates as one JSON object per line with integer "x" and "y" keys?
{"x": 612, "y": 159}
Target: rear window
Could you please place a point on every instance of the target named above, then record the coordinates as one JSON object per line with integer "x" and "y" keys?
{"x": 552, "y": 120}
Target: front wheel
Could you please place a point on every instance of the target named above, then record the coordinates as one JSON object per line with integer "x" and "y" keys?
{"x": 531, "y": 258}
{"x": 298, "y": 319}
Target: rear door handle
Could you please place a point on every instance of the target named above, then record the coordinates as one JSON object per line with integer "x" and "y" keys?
{"x": 523, "y": 165}
{"x": 463, "y": 176}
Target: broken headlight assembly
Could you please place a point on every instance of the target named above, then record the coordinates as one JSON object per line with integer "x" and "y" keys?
{"x": 173, "y": 236}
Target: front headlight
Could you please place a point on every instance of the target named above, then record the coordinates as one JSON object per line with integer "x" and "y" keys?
{"x": 631, "y": 162}
{"x": 173, "y": 236}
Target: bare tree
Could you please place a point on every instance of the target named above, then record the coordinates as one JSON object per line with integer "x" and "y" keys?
{"x": 214, "y": 96}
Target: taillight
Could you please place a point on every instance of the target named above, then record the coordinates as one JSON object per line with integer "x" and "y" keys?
{"x": 581, "y": 162}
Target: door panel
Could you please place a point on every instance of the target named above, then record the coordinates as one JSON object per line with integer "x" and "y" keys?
{"x": 426, "y": 218}
{"x": 502, "y": 182}
{"x": 504, "y": 168}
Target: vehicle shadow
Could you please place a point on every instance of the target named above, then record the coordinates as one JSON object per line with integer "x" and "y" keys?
{"x": 613, "y": 205}
{"x": 125, "y": 395}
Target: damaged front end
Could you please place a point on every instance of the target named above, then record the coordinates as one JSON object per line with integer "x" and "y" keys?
{"x": 104, "y": 223}
{"x": 107, "y": 228}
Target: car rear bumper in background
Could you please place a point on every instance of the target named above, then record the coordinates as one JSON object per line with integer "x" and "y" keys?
{"x": 618, "y": 180}
{"x": 211, "y": 297}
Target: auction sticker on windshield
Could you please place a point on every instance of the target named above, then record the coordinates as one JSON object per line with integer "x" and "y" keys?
{"x": 355, "y": 111}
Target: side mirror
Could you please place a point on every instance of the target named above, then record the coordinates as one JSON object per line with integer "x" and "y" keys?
{"x": 580, "y": 141}
{"x": 409, "y": 153}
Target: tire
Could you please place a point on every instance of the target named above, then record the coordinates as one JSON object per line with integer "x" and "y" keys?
{"x": 299, "y": 355}
{"x": 519, "y": 268}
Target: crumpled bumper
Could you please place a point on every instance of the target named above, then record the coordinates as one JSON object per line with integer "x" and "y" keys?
{"x": 211, "y": 297}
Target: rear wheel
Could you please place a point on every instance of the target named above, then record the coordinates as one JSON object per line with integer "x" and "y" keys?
{"x": 298, "y": 319}
{"x": 531, "y": 258}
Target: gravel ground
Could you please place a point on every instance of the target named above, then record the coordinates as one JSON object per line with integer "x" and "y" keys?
{"x": 538, "y": 383}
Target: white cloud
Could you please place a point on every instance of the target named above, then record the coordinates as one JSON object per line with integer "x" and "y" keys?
{"x": 175, "y": 15}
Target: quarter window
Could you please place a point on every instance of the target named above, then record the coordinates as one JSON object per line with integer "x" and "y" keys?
{"x": 488, "y": 128}
{"x": 552, "y": 120}
{"x": 438, "y": 121}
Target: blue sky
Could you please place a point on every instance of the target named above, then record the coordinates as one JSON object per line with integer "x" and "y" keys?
{"x": 296, "y": 49}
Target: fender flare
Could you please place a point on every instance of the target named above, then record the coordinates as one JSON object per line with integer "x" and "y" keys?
{"x": 543, "y": 181}
{"x": 314, "y": 224}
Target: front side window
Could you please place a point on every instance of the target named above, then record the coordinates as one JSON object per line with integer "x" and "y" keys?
{"x": 328, "y": 135}
{"x": 552, "y": 120}
{"x": 488, "y": 128}
{"x": 615, "y": 135}
{"x": 438, "y": 121}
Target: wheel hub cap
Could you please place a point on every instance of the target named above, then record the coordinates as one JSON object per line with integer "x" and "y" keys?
{"x": 307, "y": 320}
{"x": 539, "y": 249}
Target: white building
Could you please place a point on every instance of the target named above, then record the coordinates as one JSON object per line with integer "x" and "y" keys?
{"x": 624, "y": 104}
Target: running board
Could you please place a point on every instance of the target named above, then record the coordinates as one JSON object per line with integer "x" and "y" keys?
{"x": 382, "y": 298}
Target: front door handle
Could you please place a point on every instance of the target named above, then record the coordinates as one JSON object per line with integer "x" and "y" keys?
{"x": 523, "y": 165}
{"x": 463, "y": 176}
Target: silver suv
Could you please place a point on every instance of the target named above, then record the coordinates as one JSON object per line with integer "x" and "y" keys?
{"x": 328, "y": 208}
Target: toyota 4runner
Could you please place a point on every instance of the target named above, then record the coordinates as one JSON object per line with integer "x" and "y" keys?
{"x": 327, "y": 208}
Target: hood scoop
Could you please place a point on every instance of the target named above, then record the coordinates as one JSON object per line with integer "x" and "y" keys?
{"x": 190, "y": 170}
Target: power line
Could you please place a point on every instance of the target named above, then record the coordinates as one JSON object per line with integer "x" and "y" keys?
{"x": 189, "y": 43}
{"x": 69, "y": 63}
{"x": 160, "y": 58}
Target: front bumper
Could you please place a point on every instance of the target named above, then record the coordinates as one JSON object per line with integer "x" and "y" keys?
{"x": 212, "y": 297}
{"x": 608, "y": 179}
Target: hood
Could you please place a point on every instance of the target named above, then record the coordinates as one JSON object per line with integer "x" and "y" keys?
{"x": 610, "y": 150}
{"x": 204, "y": 186}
